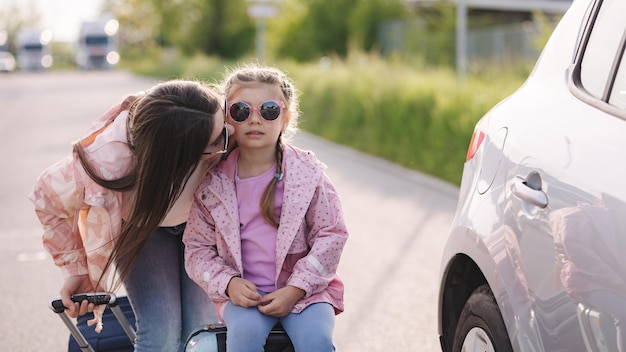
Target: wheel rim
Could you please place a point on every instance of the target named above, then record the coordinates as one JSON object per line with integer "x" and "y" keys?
{"x": 477, "y": 340}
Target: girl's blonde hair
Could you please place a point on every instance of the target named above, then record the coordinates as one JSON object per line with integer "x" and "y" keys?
{"x": 249, "y": 74}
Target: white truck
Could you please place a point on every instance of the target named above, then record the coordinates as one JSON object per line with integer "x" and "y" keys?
{"x": 97, "y": 45}
{"x": 33, "y": 49}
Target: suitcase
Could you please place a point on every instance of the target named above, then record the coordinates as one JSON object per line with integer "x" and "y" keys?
{"x": 118, "y": 334}
{"x": 118, "y": 320}
{"x": 212, "y": 338}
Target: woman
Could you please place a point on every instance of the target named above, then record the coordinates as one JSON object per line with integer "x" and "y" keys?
{"x": 122, "y": 198}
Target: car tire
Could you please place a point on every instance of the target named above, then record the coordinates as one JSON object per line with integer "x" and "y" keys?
{"x": 480, "y": 326}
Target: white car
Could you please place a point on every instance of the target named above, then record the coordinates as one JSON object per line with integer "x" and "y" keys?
{"x": 7, "y": 62}
{"x": 536, "y": 254}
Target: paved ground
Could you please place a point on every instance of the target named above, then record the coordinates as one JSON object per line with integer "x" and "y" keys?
{"x": 397, "y": 219}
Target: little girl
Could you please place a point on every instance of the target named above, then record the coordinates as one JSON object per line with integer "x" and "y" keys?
{"x": 266, "y": 229}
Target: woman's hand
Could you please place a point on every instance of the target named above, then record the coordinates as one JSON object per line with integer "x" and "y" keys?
{"x": 280, "y": 302}
{"x": 242, "y": 292}
{"x": 74, "y": 285}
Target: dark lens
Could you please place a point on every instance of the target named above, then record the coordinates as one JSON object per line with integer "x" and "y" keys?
{"x": 239, "y": 111}
{"x": 270, "y": 110}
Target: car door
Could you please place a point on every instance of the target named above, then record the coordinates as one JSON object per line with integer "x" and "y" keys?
{"x": 565, "y": 199}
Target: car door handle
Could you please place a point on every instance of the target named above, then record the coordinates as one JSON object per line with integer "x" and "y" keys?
{"x": 522, "y": 190}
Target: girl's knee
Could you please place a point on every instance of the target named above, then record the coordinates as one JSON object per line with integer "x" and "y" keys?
{"x": 313, "y": 341}
{"x": 314, "y": 346}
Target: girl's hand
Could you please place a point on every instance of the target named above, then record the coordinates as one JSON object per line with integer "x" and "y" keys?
{"x": 280, "y": 302}
{"x": 242, "y": 292}
{"x": 74, "y": 285}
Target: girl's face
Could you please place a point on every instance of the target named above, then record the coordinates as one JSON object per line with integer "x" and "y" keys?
{"x": 255, "y": 131}
{"x": 220, "y": 135}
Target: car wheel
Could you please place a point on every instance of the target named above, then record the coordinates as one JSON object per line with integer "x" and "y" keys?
{"x": 480, "y": 326}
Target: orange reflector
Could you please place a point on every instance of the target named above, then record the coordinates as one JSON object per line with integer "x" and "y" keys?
{"x": 477, "y": 140}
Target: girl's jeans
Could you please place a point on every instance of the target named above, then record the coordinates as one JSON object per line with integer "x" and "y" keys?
{"x": 168, "y": 305}
{"x": 309, "y": 331}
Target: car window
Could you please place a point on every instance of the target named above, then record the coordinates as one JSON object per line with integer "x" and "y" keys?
{"x": 603, "y": 51}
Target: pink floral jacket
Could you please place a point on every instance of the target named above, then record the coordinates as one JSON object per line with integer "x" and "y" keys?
{"x": 310, "y": 238}
{"x": 81, "y": 218}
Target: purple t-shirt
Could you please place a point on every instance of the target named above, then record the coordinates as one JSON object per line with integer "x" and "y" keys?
{"x": 258, "y": 238}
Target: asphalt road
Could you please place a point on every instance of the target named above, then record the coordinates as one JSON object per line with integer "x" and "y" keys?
{"x": 398, "y": 220}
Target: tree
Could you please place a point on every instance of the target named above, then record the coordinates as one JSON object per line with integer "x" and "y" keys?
{"x": 139, "y": 25}
{"x": 224, "y": 28}
{"x": 314, "y": 28}
{"x": 304, "y": 30}
{"x": 367, "y": 17}
{"x": 213, "y": 27}
{"x": 13, "y": 17}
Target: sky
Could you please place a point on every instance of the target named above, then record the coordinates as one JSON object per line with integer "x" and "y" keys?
{"x": 62, "y": 17}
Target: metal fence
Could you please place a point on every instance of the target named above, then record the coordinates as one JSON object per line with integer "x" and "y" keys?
{"x": 497, "y": 45}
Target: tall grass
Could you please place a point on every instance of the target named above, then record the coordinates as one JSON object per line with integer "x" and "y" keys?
{"x": 417, "y": 116}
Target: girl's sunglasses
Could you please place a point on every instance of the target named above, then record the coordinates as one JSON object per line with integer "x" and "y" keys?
{"x": 269, "y": 110}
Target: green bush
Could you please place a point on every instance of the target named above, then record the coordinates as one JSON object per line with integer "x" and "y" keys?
{"x": 420, "y": 118}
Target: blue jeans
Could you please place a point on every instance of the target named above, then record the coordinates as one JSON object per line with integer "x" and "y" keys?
{"x": 168, "y": 305}
{"x": 310, "y": 330}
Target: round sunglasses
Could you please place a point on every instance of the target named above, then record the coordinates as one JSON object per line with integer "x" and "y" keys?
{"x": 269, "y": 110}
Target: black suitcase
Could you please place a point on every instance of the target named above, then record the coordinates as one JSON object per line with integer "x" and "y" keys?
{"x": 212, "y": 338}
{"x": 118, "y": 321}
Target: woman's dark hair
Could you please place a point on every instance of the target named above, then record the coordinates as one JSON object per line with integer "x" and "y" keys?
{"x": 168, "y": 129}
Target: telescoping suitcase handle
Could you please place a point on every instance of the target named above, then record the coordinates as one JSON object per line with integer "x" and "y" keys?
{"x": 97, "y": 298}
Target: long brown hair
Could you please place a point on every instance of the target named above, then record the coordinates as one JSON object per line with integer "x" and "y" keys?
{"x": 168, "y": 129}
{"x": 251, "y": 74}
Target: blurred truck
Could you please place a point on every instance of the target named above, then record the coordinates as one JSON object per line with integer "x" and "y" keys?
{"x": 33, "y": 49}
{"x": 97, "y": 45}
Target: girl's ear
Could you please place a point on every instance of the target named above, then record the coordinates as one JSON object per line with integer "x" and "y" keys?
{"x": 286, "y": 119}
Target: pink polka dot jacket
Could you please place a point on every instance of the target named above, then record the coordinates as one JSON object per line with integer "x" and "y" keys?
{"x": 311, "y": 234}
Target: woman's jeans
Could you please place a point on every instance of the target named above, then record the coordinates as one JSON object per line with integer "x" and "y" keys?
{"x": 310, "y": 330}
{"x": 168, "y": 305}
